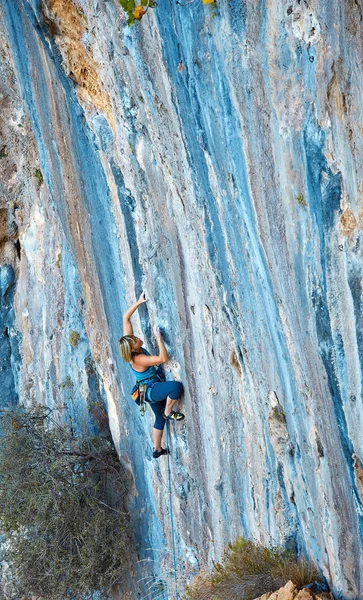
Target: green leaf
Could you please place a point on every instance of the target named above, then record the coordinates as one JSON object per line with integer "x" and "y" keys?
{"x": 123, "y": 4}
{"x": 143, "y": 2}
{"x": 131, "y": 5}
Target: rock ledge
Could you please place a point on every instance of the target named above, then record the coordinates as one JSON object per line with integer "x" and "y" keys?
{"x": 291, "y": 592}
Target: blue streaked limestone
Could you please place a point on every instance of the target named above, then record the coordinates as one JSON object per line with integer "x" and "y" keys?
{"x": 214, "y": 162}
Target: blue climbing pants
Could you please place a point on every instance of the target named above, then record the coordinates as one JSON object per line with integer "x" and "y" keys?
{"x": 157, "y": 398}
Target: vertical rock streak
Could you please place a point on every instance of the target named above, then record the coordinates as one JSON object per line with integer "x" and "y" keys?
{"x": 223, "y": 178}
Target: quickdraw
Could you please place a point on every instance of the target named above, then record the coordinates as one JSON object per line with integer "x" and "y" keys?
{"x": 142, "y": 388}
{"x": 191, "y": 2}
{"x": 138, "y": 394}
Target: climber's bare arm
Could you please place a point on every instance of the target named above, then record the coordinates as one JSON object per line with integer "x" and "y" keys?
{"x": 128, "y": 329}
{"x": 143, "y": 360}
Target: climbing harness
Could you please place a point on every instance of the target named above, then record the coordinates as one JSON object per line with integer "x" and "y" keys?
{"x": 141, "y": 391}
{"x": 171, "y": 512}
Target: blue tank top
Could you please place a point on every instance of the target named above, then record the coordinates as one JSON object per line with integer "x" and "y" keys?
{"x": 150, "y": 373}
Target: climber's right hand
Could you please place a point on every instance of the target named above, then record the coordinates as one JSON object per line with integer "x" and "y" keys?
{"x": 157, "y": 332}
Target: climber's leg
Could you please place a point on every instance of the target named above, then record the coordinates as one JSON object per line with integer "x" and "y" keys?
{"x": 171, "y": 392}
{"x": 169, "y": 405}
{"x": 159, "y": 424}
{"x": 157, "y": 435}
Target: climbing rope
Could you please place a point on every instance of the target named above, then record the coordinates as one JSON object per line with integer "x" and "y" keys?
{"x": 171, "y": 512}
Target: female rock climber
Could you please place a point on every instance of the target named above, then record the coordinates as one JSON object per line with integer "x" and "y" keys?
{"x": 161, "y": 395}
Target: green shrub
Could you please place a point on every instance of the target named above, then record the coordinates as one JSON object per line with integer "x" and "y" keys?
{"x": 67, "y": 383}
{"x": 74, "y": 338}
{"x": 278, "y": 413}
{"x": 39, "y": 177}
{"x": 300, "y": 572}
{"x": 249, "y": 570}
{"x": 301, "y": 200}
{"x": 61, "y": 510}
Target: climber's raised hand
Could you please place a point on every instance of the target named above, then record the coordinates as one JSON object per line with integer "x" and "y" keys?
{"x": 142, "y": 298}
{"x": 163, "y": 353}
{"x": 127, "y": 326}
{"x": 157, "y": 332}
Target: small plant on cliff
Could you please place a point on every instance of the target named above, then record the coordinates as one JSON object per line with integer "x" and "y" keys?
{"x": 67, "y": 383}
{"x": 61, "y": 511}
{"x": 39, "y": 177}
{"x": 249, "y": 570}
{"x": 278, "y": 413}
{"x": 135, "y": 13}
{"x": 74, "y": 338}
{"x": 301, "y": 200}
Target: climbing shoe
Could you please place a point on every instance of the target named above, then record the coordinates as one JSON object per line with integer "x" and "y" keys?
{"x": 174, "y": 416}
{"x": 158, "y": 453}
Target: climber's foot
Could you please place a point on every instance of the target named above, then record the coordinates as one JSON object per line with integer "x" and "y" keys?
{"x": 158, "y": 453}
{"x": 174, "y": 415}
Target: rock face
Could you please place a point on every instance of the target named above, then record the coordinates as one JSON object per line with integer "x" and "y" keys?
{"x": 215, "y": 162}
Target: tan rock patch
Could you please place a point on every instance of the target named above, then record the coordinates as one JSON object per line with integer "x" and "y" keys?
{"x": 348, "y": 222}
{"x": 68, "y": 25}
{"x": 358, "y": 472}
{"x": 291, "y": 592}
{"x": 336, "y": 98}
{"x": 288, "y": 592}
{"x": 305, "y": 595}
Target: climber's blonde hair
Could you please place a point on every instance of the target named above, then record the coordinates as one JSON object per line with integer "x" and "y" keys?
{"x": 126, "y": 343}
